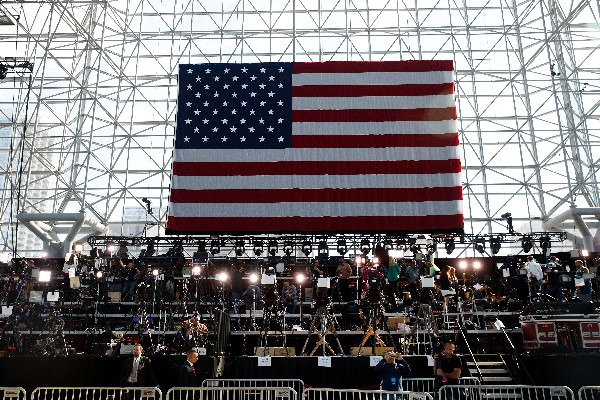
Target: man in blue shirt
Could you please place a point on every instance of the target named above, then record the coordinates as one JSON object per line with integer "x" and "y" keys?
{"x": 391, "y": 369}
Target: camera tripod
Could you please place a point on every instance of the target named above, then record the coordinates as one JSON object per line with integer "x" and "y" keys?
{"x": 272, "y": 315}
{"x": 326, "y": 325}
{"x": 375, "y": 317}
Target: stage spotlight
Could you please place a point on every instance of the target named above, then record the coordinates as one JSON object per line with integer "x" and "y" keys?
{"x": 215, "y": 247}
{"x": 495, "y": 245}
{"x": 462, "y": 264}
{"x": 300, "y": 278}
{"x": 388, "y": 244}
{"x": 432, "y": 248}
{"x": 150, "y": 249}
{"x": 240, "y": 248}
{"x": 342, "y": 247}
{"x": 449, "y": 245}
{"x": 323, "y": 249}
{"x": 78, "y": 247}
{"x": 110, "y": 247}
{"x": 272, "y": 248}
{"x": 476, "y": 264}
{"x": 526, "y": 244}
{"x": 375, "y": 260}
{"x": 222, "y": 276}
{"x": 202, "y": 246}
{"x": 365, "y": 246}
{"x": 44, "y": 276}
{"x": 508, "y": 217}
{"x": 584, "y": 253}
{"x": 288, "y": 248}
{"x": 359, "y": 260}
{"x": 196, "y": 270}
{"x": 306, "y": 247}
{"x": 99, "y": 274}
{"x": 155, "y": 272}
{"x": 253, "y": 278}
{"x": 123, "y": 250}
{"x": 258, "y": 248}
{"x": 545, "y": 243}
{"x": 480, "y": 245}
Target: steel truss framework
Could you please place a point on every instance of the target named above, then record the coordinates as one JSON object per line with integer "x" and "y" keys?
{"x": 346, "y": 245}
{"x": 94, "y": 132}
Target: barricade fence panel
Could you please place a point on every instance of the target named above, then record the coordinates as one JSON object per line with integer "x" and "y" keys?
{"x": 96, "y": 393}
{"x": 355, "y": 394}
{"x": 589, "y": 393}
{"x": 429, "y": 385}
{"x": 504, "y": 392}
{"x": 12, "y": 393}
{"x": 296, "y": 384}
{"x": 232, "y": 393}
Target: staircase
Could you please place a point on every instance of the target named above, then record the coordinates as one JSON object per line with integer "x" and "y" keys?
{"x": 493, "y": 369}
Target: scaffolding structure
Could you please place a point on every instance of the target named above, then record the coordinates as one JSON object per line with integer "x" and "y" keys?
{"x": 88, "y": 104}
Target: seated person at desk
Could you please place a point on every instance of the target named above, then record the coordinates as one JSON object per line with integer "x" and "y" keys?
{"x": 289, "y": 297}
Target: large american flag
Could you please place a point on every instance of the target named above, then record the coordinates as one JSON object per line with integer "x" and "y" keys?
{"x": 316, "y": 147}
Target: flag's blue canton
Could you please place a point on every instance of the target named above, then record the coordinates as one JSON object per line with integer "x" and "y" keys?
{"x": 234, "y": 106}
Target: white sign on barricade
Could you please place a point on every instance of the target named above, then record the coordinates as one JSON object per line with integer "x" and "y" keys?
{"x": 13, "y": 393}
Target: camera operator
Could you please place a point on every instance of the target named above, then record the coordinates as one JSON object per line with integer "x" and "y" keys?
{"x": 392, "y": 368}
{"x": 553, "y": 279}
{"x": 447, "y": 366}
{"x": 584, "y": 293}
{"x": 130, "y": 275}
{"x": 535, "y": 275}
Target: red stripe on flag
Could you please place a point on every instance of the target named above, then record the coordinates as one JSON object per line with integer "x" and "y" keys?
{"x": 415, "y": 114}
{"x": 372, "y": 66}
{"x": 324, "y": 195}
{"x": 315, "y": 168}
{"x": 372, "y": 90}
{"x": 425, "y": 223}
{"x": 372, "y": 141}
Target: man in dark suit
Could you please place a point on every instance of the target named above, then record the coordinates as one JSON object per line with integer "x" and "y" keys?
{"x": 137, "y": 370}
{"x": 187, "y": 373}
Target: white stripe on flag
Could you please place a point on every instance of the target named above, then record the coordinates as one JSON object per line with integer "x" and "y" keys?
{"x": 373, "y": 78}
{"x": 416, "y": 209}
{"x": 316, "y": 181}
{"x": 311, "y": 154}
{"x": 374, "y": 128}
{"x": 372, "y": 102}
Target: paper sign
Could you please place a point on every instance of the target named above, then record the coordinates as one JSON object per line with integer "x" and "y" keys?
{"x": 430, "y": 361}
{"x": 505, "y": 273}
{"x": 324, "y": 362}
{"x": 579, "y": 282}
{"x": 264, "y": 361}
{"x": 374, "y": 360}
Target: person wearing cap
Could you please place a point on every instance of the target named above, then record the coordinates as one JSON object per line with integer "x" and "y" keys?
{"x": 392, "y": 368}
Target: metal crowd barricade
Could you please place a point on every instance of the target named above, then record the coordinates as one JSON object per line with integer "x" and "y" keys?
{"x": 232, "y": 393}
{"x": 355, "y": 394}
{"x": 428, "y": 385}
{"x": 12, "y": 393}
{"x": 588, "y": 392}
{"x": 504, "y": 392}
{"x": 95, "y": 393}
{"x": 296, "y": 384}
